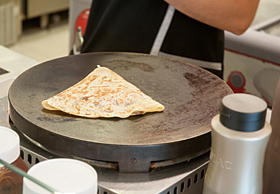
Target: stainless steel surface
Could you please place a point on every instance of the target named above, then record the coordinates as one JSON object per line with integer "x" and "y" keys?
{"x": 187, "y": 178}
{"x": 191, "y": 97}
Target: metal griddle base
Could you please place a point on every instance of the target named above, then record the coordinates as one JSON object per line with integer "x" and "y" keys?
{"x": 184, "y": 178}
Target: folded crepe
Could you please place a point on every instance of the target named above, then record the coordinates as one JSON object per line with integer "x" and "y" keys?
{"x": 103, "y": 93}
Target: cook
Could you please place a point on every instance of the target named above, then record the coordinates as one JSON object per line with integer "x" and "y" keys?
{"x": 188, "y": 30}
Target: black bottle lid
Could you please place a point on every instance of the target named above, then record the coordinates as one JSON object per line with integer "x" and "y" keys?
{"x": 243, "y": 112}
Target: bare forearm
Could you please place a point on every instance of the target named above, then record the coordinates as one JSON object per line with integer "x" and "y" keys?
{"x": 231, "y": 15}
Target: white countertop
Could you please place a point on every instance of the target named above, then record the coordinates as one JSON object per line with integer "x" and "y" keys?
{"x": 15, "y": 64}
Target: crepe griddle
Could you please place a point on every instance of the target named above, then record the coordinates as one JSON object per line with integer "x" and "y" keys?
{"x": 191, "y": 97}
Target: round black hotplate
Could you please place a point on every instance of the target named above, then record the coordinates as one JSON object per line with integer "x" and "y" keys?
{"x": 191, "y": 97}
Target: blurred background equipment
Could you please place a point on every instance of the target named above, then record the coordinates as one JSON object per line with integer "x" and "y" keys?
{"x": 252, "y": 62}
{"x": 10, "y": 21}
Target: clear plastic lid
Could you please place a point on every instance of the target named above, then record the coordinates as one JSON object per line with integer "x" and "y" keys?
{"x": 9, "y": 145}
{"x": 64, "y": 175}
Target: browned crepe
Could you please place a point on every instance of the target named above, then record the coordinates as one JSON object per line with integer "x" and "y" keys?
{"x": 103, "y": 93}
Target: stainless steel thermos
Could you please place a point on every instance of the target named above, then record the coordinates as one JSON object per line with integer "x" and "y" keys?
{"x": 239, "y": 139}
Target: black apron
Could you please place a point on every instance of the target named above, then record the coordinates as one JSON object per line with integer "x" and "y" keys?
{"x": 153, "y": 27}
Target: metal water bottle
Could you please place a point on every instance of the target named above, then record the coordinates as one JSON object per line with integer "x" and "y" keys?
{"x": 239, "y": 139}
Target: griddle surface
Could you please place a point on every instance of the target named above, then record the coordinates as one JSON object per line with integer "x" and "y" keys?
{"x": 191, "y": 97}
